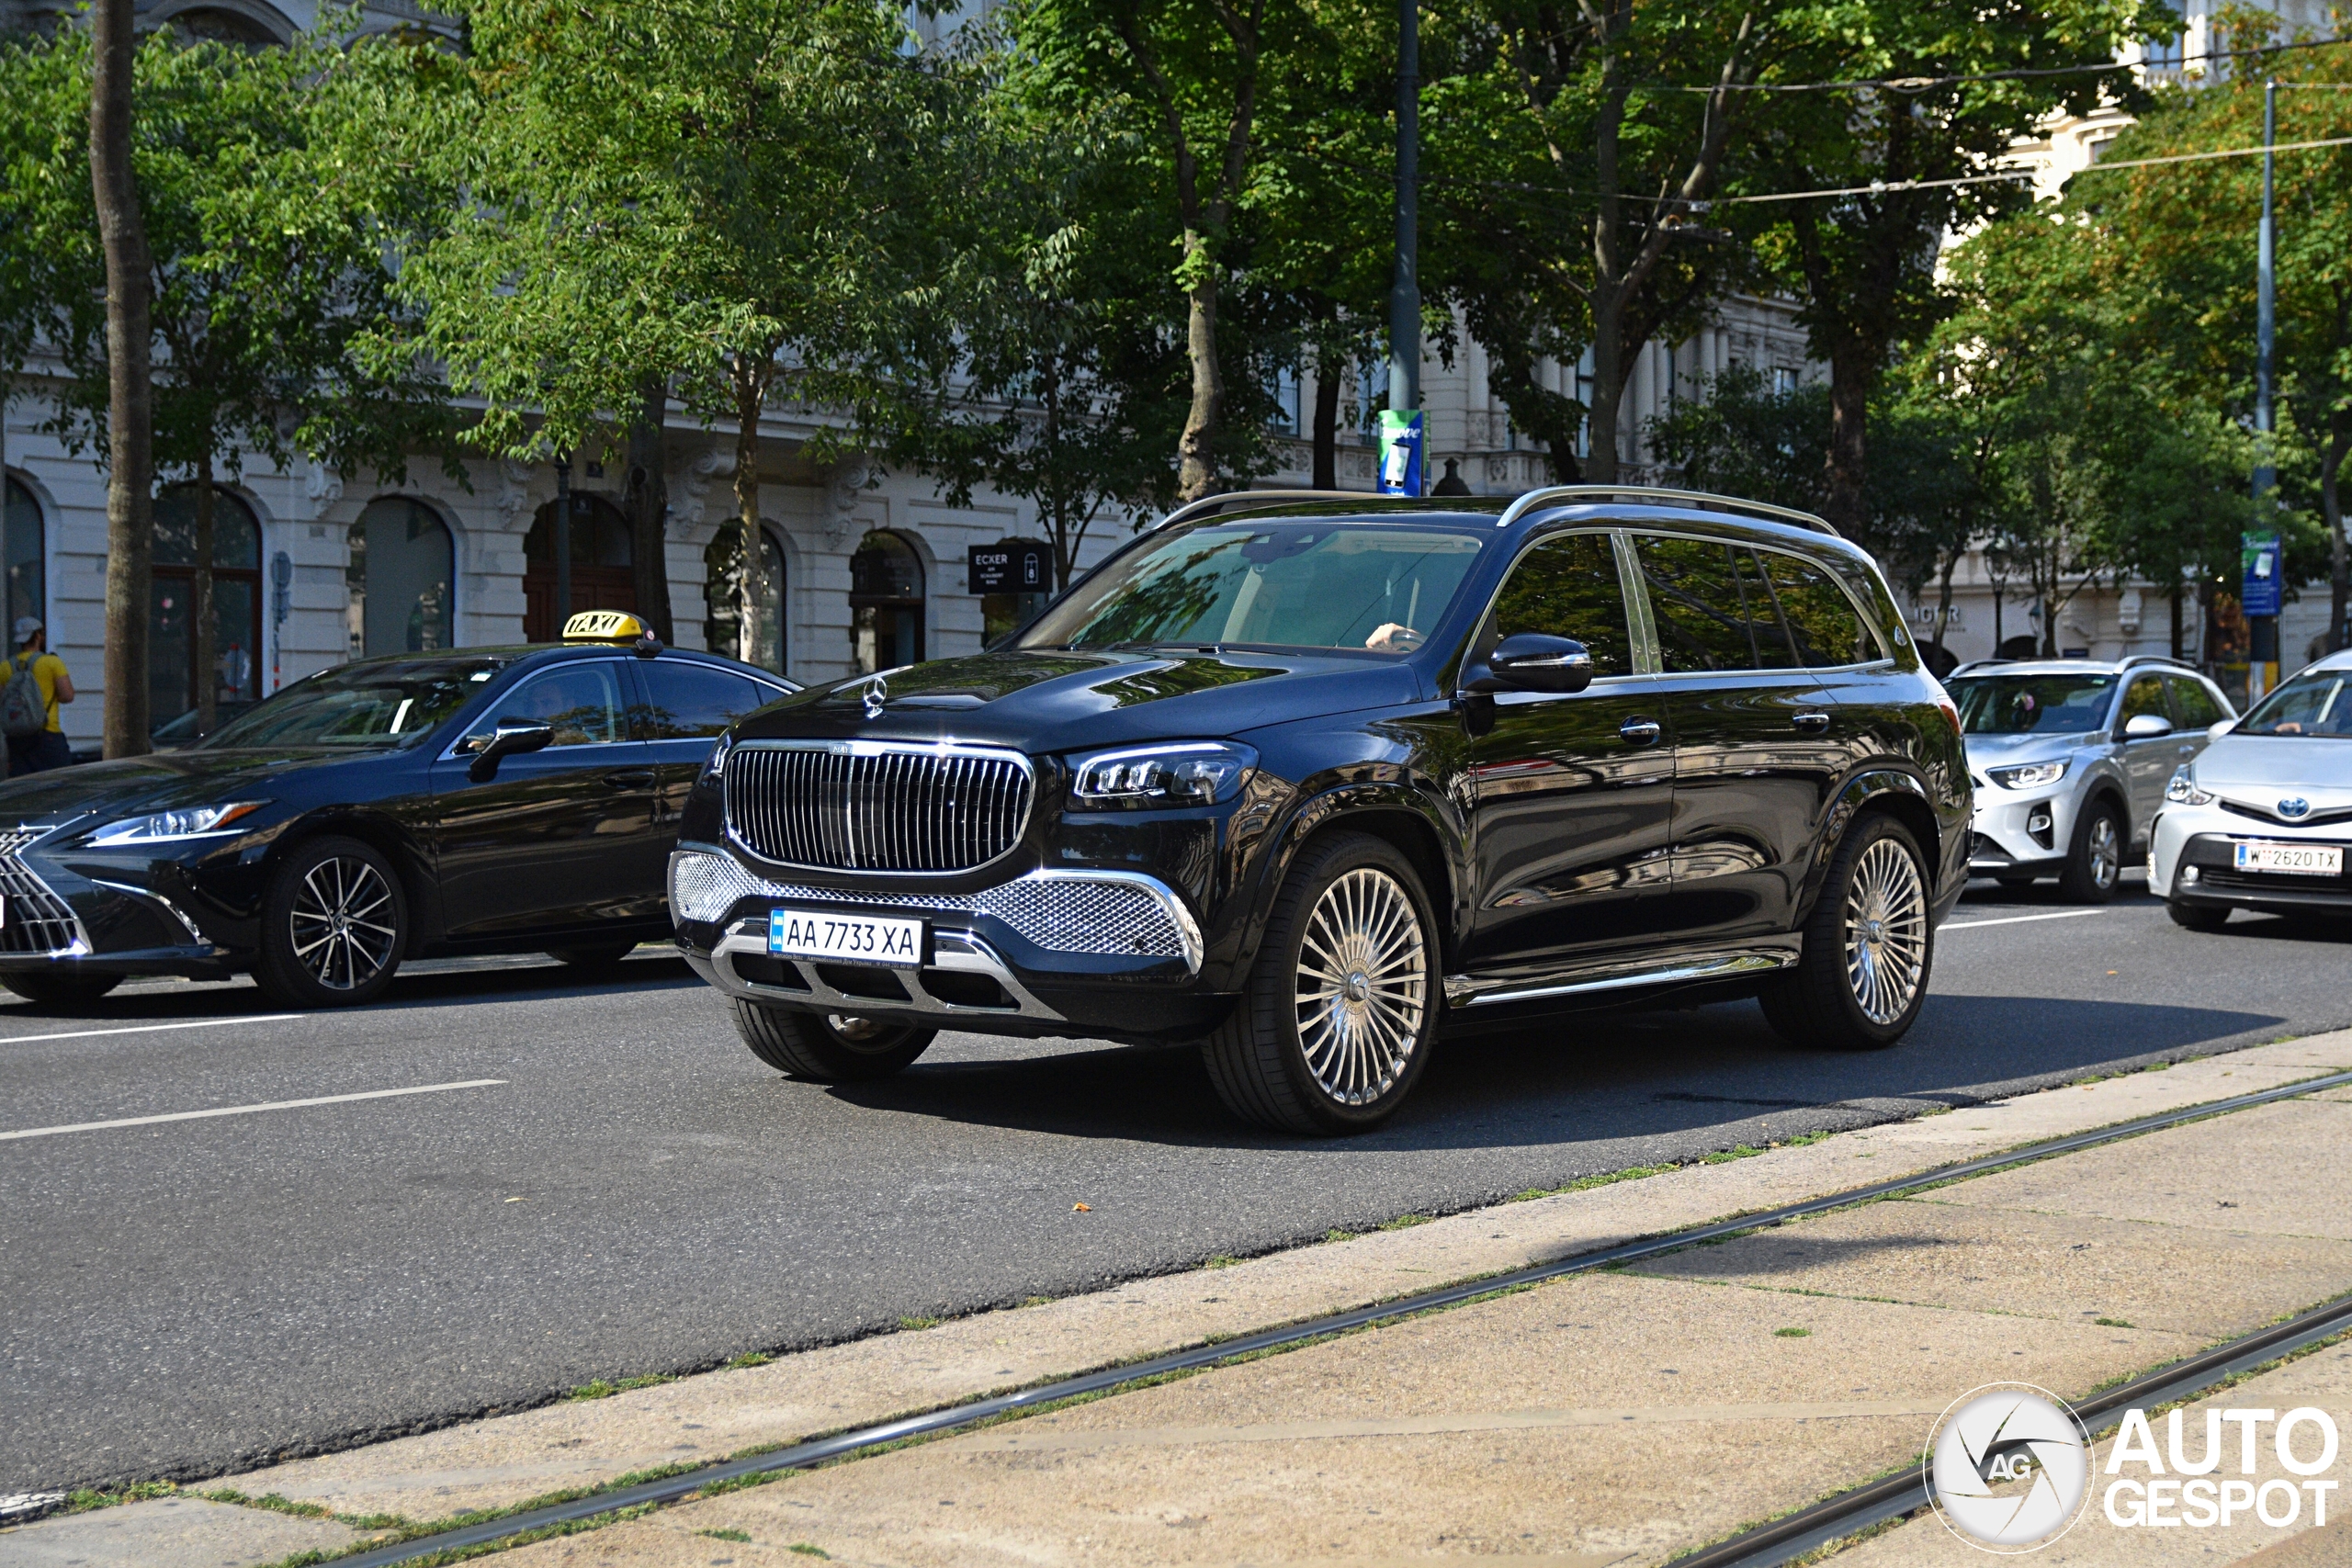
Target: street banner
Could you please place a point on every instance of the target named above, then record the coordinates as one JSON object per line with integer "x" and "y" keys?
{"x": 2258, "y": 556}
{"x": 1400, "y": 452}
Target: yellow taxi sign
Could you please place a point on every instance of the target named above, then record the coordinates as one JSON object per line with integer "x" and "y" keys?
{"x": 602, "y": 625}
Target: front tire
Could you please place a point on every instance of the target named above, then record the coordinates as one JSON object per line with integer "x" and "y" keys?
{"x": 62, "y": 989}
{"x": 2197, "y": 917}
{"x": 827, "y": 1047}
{"x": 334, "y": 927}
{"x": 1868, "y": 947}
{"x": 1336, "y": 1020}
{"x": 2094, "y": 858}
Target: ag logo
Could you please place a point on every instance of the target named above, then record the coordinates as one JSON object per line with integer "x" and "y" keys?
{"x": 2008, "y": 1468}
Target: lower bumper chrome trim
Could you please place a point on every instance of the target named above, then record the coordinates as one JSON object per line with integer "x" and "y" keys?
{"x": 1464, "y": 991}
{"x": 958, "y": 951}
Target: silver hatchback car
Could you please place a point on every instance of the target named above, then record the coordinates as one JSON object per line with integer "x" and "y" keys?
{"x": 2071, "y": 757}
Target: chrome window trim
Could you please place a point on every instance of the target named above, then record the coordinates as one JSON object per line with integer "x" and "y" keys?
{"x": 891, "y": 749}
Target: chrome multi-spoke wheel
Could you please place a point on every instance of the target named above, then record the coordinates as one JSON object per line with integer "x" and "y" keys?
{"x": 1886, "y": 930}
{"x": 1363, "y": 976}
{"x": 342, "y": 923}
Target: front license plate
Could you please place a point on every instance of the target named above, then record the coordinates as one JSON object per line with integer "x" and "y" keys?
{"x": 2299, "y": 860}
{"x": 853, "y": 938}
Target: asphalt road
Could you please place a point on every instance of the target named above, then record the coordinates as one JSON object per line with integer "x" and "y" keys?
{"x": 634, "y": 1193}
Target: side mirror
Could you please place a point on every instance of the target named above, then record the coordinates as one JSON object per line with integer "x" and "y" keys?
{"x": 1533, "y": 662}
{"x": 2215, "y": 731}
{"x": 2146, "y": 727}
{"x": 513, "y": 736}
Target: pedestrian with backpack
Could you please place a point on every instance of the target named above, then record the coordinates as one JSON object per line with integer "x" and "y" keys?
{"x": 36, "y": 683}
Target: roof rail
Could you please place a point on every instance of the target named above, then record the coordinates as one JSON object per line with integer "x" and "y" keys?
{"x": 1535, "y": 498}
{"x": 1977, "y": 664}
{"x": 1209, "y": 503}
{"x": 2130, "y": 658}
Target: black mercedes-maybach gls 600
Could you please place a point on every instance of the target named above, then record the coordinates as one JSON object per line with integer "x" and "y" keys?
{"x": 1311, "y": 778}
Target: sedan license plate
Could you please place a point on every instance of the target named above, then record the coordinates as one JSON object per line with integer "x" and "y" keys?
{"x": 853, "y": 938}
{"x": 2301, "y": 859}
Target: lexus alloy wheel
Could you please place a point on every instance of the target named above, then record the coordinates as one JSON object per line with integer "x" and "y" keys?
{"x": 342, "y": 923}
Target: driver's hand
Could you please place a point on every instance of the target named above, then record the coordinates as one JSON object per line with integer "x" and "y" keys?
{"x": 1390, "y": 637}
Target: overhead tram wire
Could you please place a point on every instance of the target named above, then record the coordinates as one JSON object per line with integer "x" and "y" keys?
{"x": 2022, "y": 74}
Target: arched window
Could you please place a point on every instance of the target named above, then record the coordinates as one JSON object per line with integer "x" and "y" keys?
{"x": 171, "y": 674}
{"x": 722, "y": 595}
{"x": 601, "y": 579}
{"x": 28, "y": 576}
{"x": 886, "y": 603}
{"x": 402, "y": 563}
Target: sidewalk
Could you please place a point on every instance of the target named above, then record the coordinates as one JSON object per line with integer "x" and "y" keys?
{"x": 1612, "y": 1419}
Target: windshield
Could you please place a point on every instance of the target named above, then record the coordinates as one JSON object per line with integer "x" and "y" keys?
{"x": 379, "y": 703}
{"x": 2314, "y": 703}
{"x": 2031, "y": 704}
{"x": 1305, "y": 584}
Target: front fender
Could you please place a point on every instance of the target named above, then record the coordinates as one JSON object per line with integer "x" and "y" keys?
{"x": 1943, "y": 834}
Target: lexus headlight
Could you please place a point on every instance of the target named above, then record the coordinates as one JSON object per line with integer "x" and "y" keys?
{"x": 2183, "y": 790}
{"x": 1173, "y": 773}
{"x": 2032, "y": 775}
{"x": 164, "y": 826}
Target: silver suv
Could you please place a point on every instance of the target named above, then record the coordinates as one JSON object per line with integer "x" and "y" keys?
{"x": 2070, "y": 758}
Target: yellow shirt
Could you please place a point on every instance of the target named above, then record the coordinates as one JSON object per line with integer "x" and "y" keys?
{"x": 46, "y": 667}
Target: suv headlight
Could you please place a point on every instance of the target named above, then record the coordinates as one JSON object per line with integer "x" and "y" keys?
{"x": 2031, "y": 775}
{"x": 2183, "y": 790}
{"x": 1172, "y": 772}
{"x": 199, "y": 822}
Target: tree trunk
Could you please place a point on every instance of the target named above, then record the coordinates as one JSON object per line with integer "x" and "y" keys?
{"x": 1196, "y": 449}
{"x": 2331, "y": 505}
{"x": 1843, "y": 505}
{"x": 1943, "y": 599}
{"x": 750, "y": 397}
{"x": 2175, "y": 597}
{"x": 204, "y": 635}
{"x": 1608, "y": 390}
{"x": 1331, "y": 370}
{"x": 646, "y": 500}
{"x": 130, "y": 469}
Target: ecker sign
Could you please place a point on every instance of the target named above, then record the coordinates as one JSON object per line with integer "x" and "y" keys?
{"x": 1009, "y": 568}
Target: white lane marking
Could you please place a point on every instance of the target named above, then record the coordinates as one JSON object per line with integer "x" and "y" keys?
{"x": 249, "y": 1110}
{"x": 2020, "y": 920}
{"x": 152, "y": 1028}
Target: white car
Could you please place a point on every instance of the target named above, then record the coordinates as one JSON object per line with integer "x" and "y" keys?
{"x": 2262, "y": 820}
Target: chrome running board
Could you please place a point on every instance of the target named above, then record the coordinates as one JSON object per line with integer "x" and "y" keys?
{"x": 1466, "y": 990}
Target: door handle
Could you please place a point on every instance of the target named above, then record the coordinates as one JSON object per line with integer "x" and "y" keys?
{"x": 1639, "y": 731}
{"x": 630, "y": 778}
{"x": 1812, "y": 723}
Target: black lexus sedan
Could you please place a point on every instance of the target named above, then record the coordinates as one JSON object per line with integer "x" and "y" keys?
{"x": 1309, "y": 778}
{"x": 486, "y": 800}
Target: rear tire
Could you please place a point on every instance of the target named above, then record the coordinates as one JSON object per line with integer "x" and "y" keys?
{"x": 827, "y": 1047}
{"x": 2197, "y": 917}
{"x": 2094, "y": 858}
{"x": 594, "y": 958}
{"x": 1868, "y": 947}
{"x": 62, "y": 989}
{"x": 334, "y": 926}
{"x": 1335, "y": 1023}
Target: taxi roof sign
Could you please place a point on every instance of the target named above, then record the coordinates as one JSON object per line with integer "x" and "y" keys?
{"x": 604, "y": 625}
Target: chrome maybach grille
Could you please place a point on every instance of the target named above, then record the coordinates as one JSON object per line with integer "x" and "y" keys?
{"x": 872, "y": 807}
{"x": 32, "y": 918}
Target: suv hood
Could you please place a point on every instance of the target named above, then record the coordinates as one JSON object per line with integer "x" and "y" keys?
{"x": 1042, "y": 700}
{"x": 2256, "y": 770}
{"x": 2008, "y": 750}
{"x": 163, "y": 782}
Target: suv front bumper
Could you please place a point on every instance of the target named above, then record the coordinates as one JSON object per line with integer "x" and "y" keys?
{"x": 1095, "y": 953}
{"x": 2021, "y": 831}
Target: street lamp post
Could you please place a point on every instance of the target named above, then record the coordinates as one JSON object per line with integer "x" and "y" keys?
{"x": 2259, "y": 599}
{"x": 1402, "y": 428}
{"x": 562, "y": 541}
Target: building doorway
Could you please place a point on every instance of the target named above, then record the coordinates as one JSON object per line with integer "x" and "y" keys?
{"x": 601, "y": 578}
{"x": 722, "y": 597}
{"x": 402, "y": 561}
{"x": 886, "y": 603}
{"x": 171, "y": 674}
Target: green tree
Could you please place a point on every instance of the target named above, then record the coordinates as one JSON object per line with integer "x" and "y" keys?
{"x": 741, "y": 199}
{"x": 265, "y": 267}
